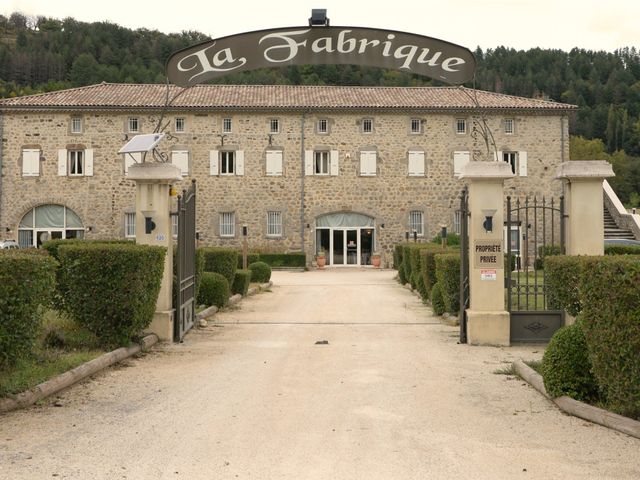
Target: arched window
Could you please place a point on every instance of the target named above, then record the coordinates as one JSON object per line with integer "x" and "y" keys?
{"x": 48, "y": 222}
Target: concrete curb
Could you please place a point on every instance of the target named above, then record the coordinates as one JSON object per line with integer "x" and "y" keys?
{"x": 67, "y": 379}
{"x": 579, "y": 409}
{"x": 211, "y": 311}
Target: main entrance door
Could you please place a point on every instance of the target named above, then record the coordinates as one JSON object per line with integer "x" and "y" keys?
{"x": 346, "y": 238}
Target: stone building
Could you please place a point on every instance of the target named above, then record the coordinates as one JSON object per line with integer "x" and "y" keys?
{"x": 347, "y": 169}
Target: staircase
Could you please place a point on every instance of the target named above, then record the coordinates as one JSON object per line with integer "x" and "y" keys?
{"x": 611, "y": 230}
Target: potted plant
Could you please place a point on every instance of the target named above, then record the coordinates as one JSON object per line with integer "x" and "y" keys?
{"x": 321, "y": 260}
{"x": 375, "y": 259}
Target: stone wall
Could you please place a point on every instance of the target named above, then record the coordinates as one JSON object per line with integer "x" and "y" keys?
{"x": 389, "y": 196}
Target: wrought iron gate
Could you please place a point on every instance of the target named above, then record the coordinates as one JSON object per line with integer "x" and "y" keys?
{"x": 534, "y": 229}
{"x": 186, "y": 263}
{"x": 464, "y": 264}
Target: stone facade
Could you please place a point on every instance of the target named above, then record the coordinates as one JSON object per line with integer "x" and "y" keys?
{"x": 101, "y": 200}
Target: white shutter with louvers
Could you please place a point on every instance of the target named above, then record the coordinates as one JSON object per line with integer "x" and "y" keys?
{"x": 180, "y": 158}
{"x": 522, "y": 164}
{"x": 416, "y": 164}
{"x": 88, "y": 162}
{"x": 213, "y": 162}
{"x": 308, "y": 162}
{"x": 460, "y": 159}
{"x": 334, "y": 162}
{"x": 239, "y": 162}
{"x": 274, "y": 163}
{"x": 30, "y": 162}
{"x": 368, "y": 163}
{"x": 62, "y": 162}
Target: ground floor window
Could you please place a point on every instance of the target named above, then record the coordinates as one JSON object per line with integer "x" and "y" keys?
{"x": 416, "y": 222}
{"x": 274, "y": 224}
{"x": 47, "y": 222}
{"x": 227, "y": 224}
{"x": 130, "y": 225}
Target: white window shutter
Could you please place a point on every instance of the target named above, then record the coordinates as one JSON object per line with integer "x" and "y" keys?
{"x": 308, "y": 162}
{"x": 274, "y": 163}
{"x": 62, "y": 162}
{"x": 334, "y": 162}
{"x": 180, "y": 158}
{"x": 213, "y": 162}
{"x": 460, "y": 159}
{"x": 368, "y": 163}
{"x": 416, "y": 164}
{"x": 88, "y": 162}
{"x": 522, "y": 164}
{"x": 239, "y": 162}
{"x": 31, "y": 163}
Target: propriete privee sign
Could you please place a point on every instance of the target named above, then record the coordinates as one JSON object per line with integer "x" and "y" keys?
{"x": 281, "y": 47}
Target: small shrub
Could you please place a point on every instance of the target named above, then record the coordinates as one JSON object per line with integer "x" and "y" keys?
{"x": 622, "y": 249}
{"x": 283, "y": 260}
{"x": 260, "y": 272}
{"x": 214, "y": 290}
{"x": 221, "y": 260}
{"x": 241, "y": 282}
{"x": 397, "y": 256}
{"x": 27, "y": 281}
{"x": 251, "y": 258}
{"x": 566, "y": 368}
{"x": 428, "y": 265}
{"x": 111, "y": 289}
{"x": 453, "y": 239}
{"x": 437, "y": 300}
{"x": 448, "y": 275}
{"x": 562, "y": 276}
{"x": 543, "y": 252}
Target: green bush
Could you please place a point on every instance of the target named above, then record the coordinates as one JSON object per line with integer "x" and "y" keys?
{"x": 283, "y": 260}
{"x": 241, "y": 282}
{"x": 562, "y": 277}
{"x": 610, "y": 299}
{"x": 437, "y": 300}
{"x": 199, "y": 270}
{"x": 406, "y": 263}
{"x": 448, "y": 275}
{"x": 251, "y": 258}
{"x": 566, "y": 368}
{"x": 214, "y": 290}
{"x": 221, "y": 260}
{"x": 543, "y": 252}
{"x": 428, "y": 265}
{"x": 622, "y": 249}
{"x": 453, "y": 239}
{"x": 27, "y": 282}
{"x": 260, "y": 272}
{"x": 111, "y": 289}
{"x": 397, "y": 256}
{"x": 416, "y": 277}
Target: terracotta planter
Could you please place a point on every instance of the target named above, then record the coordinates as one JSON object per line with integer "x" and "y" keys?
{"x": 375, "y": 261}
{"x": 322, "y": 261}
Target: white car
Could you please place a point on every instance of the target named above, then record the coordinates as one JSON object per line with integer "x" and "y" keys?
{"x": 6, "y": 244}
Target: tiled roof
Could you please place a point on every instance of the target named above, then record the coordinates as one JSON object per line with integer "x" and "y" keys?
{"x": 269, "y": 97}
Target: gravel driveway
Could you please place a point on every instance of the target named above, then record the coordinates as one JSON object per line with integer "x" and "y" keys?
{"x": 390, "y": 396}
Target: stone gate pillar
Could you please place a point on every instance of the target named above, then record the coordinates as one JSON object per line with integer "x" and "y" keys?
{"x": 584, "y": 204}
{"x": 488, "y": 322}
{"x": 153, "y": 215}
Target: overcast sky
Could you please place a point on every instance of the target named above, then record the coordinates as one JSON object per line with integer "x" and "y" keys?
{"x": 521, "y": 24}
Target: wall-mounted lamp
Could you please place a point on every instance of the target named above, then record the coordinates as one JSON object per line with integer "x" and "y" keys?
{"x": 222, "y": 137}
{"x": 382, "y": 225}
{"x": 406, "y": 236}
{"x": 415, "y": 236}
{"x": 488, "y": 220}
{"x": 245, "y": 230}
{"x": 88, "y": 229}
{"x": 318, "y": 18}
{"x": 308, "y": 226}
{"x": 270, "y": 138}
{"x": 8, "y": 229}
{"x": 149, "y": 224}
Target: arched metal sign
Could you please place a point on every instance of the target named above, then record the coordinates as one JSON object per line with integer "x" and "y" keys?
{"x": 406, "y": 52}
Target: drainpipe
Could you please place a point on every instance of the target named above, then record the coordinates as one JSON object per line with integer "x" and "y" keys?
{"x": 1, "y": 165}
{"x": 562, "y": 139}
{"x": 302, "y": 173}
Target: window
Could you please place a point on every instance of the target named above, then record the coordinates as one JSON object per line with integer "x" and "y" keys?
{"x": 368, "y": 163}
{"x": 511, "y": 158}
{"x": 76, "y": 125}
{"x": 457, "y": 215}
{"x": 509, "y": 126}
{"x": 416, "y": 164}
{"x": 518, "y": 162}
{"x": 76, "y": 162}
{"x": 416, "y": 126}
{"x": 180, "y": 158}
{"x": 367, "y": 125}
{"x": 461, "y": 126}
{"x": 130, "y": 225}
{"x": 323, "y": 126}
{"x": 460, "y": 159}
{"x": 274, "y": 224}
{"x": 227, "y": 163}
{"x": 47, "y": 222}
{"x": 227, "y": 224}
{"x": 133, "y": 125}
{"x": 174, "y": 225}
{"x": 274, "y": 163}
{"x": 321, "y": 163}
{"x": 226, "y": 125}
{"x": 416, "y": 222}
{"x": 274, "y": 125}
{"x": 30, "y": 162}
{"x": 180, "y": 125}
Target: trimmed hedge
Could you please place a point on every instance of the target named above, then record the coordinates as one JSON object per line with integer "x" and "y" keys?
{"x": 111, "y": 289}
{"x": 199, "y": 270}
{"x": 397, "y": 256}
{"x": 566, "y": 368}
{"x": 437, "y": 300}
{"x": 27, "y": 282}
{"x": 221, "y": 260}
{"x": 543, "y": 252}
{"x": 214, "y": 290}
{"x": 241, "y": 282}
{"x": 610, "y": 299}
{"x": 283, "y": 260}
{"x": 622, "y": 249}
{"x": 260, "y": 272}
{"x": 448, "y": 275}
{"x": 453, "y": 239}
{"x": 251, "y": 258}
{"x": 562, "y": 278}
